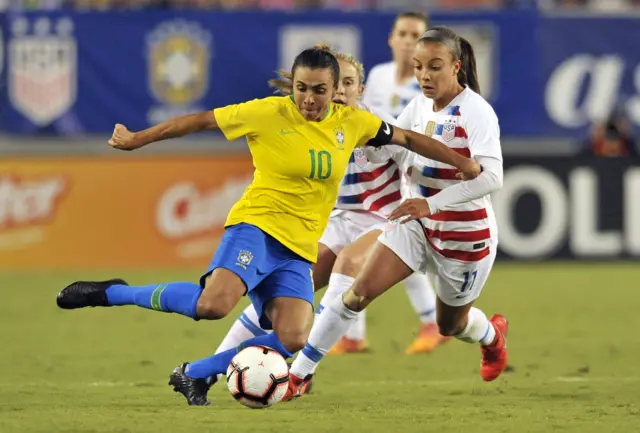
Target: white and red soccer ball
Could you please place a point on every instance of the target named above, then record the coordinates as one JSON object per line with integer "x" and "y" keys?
{"x": 258, "y": 377}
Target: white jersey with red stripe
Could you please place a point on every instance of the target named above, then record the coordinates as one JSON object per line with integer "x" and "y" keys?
{"x": 382, "y": 92}
{"x": 470, "y": 126}
{"x": 369, "y": 187}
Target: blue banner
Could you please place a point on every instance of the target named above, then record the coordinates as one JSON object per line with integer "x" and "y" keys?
{"x": 589, "y": 67}
{"x": 79, "y": 73}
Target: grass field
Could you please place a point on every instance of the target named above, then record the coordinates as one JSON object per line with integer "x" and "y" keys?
{"x": 574, "y": 350}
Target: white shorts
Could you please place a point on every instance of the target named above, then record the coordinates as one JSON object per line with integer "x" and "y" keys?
{"x": 345, "y": 226}
{"x": 456, "y": 282}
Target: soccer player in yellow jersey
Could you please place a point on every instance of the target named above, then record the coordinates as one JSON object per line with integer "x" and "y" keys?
{"x": 300, "y": 146}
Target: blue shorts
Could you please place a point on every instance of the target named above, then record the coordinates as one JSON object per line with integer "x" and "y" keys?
{"x": 268, "y": 268}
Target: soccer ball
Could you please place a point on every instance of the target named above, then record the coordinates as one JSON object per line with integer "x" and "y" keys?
{"x": 258, "y": 377}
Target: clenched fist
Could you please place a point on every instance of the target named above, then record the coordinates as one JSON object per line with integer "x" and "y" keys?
{"x": 470, "y": 171}
{"x": 123, "y": 139}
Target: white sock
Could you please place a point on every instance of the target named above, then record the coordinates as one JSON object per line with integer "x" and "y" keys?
{"x": 338, "y": 284}
{"x": 478, "y": 330}
{"x": 422, "y": 296}
{"x": 328, "y": 328}
{"x": 358, "y": 330}
{"x": 245, "y": 327}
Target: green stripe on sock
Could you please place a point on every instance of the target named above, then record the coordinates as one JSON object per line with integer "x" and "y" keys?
{"x": 155, "y": 297}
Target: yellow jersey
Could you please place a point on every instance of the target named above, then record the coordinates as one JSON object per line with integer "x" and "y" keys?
{"x": 299, "y": 165}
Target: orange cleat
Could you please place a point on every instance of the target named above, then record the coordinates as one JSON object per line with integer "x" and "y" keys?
{"x": 297, "y": 387}
{"x": 494, "y": 356}
{"x": 427, "y": 340}
{"x": 347, "y": 345}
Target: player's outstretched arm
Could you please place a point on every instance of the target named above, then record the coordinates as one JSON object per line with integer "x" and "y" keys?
{"x": 433, "y": 149}
{"x": 124, "y": 139}
{"x": 427, "y": 147}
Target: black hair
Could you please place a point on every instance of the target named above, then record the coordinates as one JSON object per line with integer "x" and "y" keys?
{"x": 318, "y": 58}
{"x": 411, "y": 14}
{"x": 460, "y": 49}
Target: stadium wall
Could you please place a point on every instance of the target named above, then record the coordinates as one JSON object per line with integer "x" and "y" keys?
{"x": 145, "y": 210}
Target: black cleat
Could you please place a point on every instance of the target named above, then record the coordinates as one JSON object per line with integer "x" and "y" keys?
{"x": 86, "y": 294}
{"x": 194, "y": 390}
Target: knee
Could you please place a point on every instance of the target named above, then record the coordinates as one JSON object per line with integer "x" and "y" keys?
{"x": 293, "y": 341}
{"x": 449, "y": 326}
{"x": 221, "y": 294}
{"x": 348, "y": 264}
{"x": 211, "y": 309}
{"x": 214, "y": 307}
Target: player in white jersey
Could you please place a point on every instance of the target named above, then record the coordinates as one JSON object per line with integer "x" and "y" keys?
{"x": 448, "y": 229}
{"x": 391, "y": 86}
{"x": 368, "y": 194}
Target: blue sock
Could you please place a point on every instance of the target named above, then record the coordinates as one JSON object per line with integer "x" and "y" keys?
{"x": 178, "y": 298}
{"x": 218, "y": 364}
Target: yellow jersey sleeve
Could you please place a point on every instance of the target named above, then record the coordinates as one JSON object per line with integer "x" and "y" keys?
{"x": 239, "y": 120}
{"x": 370, "y": 125}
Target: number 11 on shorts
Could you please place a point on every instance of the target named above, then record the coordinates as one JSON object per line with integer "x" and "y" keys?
{"x": 469, "y": 280}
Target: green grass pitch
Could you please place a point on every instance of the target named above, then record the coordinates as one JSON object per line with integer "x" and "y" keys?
{"x": 574, "y": 348}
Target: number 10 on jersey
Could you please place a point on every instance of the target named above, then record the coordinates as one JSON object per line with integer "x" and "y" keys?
{"x": 320, "y": 164}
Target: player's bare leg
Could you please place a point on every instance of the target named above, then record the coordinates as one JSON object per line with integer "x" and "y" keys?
{"x": 291, "y": 319}
{"x": 223, "y": 290}
{"x": 347, "y": 266}
{"x": 323, "y": 266}
{"x": 419, "y": 289}
{"x": 469, "y": 324}
{"x": 248, "y": 325}
{"x": 382, "y": 270}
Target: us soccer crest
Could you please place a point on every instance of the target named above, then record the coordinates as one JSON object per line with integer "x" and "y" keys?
{"x": 359, "y": 157}
{"x": 449, "y": 130}
{"x": 42, "y": 68}
{"x": 244, "y": 259}
{"x": 339, "y": 132}
{"x": 179, "y": 53}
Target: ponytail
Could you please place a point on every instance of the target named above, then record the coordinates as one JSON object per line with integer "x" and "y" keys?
{"x": 283, "y": 84}
{"x": 460, "y": 49}
{"x": 468, "y": 74}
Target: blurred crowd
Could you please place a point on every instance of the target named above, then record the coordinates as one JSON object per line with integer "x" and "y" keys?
{"x": 581, "y": 5}
{"x": 612, "y": 137}
{"x": 248, "y": 4}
